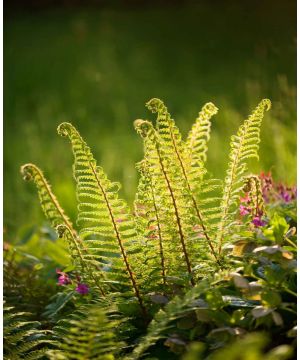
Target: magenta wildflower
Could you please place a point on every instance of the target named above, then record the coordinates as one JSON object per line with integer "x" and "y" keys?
{"x": 257, "y": 221}
{"x": 82, "y": 289}
{"x": 63, "y": 278}
{"x": 287, "y": 194}
{"x": 267, "y": 186}
{"x": 244, "y": 210}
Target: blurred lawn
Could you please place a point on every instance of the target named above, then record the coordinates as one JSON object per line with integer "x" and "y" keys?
{"x": 97, "y": 68}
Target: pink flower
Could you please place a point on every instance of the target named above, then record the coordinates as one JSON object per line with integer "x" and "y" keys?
{"x": 267, "y": 186}
{"x": 244, "y": 210}
{"x": 257, "y": 221}
{"x": 63, "y": 278}
{"x": 287, "y": 194}
{"x": 82, "y": 289}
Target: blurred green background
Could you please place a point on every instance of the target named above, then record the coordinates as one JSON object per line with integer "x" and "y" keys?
{"x": 96, "y": 66}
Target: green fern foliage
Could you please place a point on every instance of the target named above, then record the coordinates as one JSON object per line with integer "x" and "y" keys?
{"x": 87, "y": 335}
{"x": 181, "y": 217}
{"x": 172, "y": 268}
{"x": 168, "y": 196}
{"x": 50, "y": 205}
{"x": 22, "y": 338}
{"x": 244, "y": 146}
{"x": 175, "y": 173}
{"x": 60, "y": 221}
{"x": 196, "y": 143}
{"x": 106, "y": 224}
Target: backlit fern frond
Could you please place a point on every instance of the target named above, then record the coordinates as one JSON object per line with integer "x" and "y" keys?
{"x": 196, "y": 143}
{"x": 150, "y": 220}
{"x": 87, "y": 335}
{"x": 22, "y": 338}
{"x": 59, "y": 220}
{"x": 244, "y": 145}
{"x": 50, "y": 205}
{"x": 168, "y": 196}
{"x": 106, "y": 224}
{"x": 179, "y": 166}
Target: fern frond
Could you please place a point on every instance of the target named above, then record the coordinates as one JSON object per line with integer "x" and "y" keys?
{"x": 168, "y": 192}
{"x": 198, "y": 137}
{"x": 22, "y": 338}
{"x": 50, "y": 205}
{"x": 149, "y": 218}
{"x": 175, "y": 154}
{"x": 105, "y": 220}
{"x": 244, "y": 145}
{"x": 87, "y": 335}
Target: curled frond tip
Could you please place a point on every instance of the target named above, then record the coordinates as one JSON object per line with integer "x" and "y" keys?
{"x": 27, "y": 171}
{"x": 142, "y": 126}
{"x": 266, "y": 103}
{"x": 64, "y": 128}
{"x": 156, "y": 105}
{"x": 210, "y": 108}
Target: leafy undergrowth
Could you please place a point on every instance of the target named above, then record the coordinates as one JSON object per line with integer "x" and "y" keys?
{"x": 202, "y": 269}
{"x": 247, "y": 312}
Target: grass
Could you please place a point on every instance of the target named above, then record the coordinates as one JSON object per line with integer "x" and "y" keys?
{"x": 98, "y": 68}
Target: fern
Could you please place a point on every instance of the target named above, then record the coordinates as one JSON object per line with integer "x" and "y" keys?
{"x": 244, "y": 145}
{"x": 147, "y": 207}
{"x": 106, "y": 223}
{"x": 22, "y": 338}
{"x": 150, "y": 258}
{"x": 59, "y": 220}
{"x": 50, "y": 205}
{"x": 168, "y": 193}
{"x": 179, "y": 221}
{"x": 87, "y": 335}
{"x": 183, "y": 170}
{"x": 180, "y": 163}
{"x": 196, "y": 143}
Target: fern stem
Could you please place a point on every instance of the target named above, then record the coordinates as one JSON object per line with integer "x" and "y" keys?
{"x": 124, "y": 255}
{"x": 199, "y": 215}
{"x": 227, "y": 198}
{"x": 181, "y": 235}
{"x": 161, "y": 250}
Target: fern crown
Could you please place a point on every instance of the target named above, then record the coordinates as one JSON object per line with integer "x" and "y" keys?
{"x": 181, "y": 220}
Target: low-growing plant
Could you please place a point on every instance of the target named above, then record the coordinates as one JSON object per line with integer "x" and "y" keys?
{"x": 198, "y": 258}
